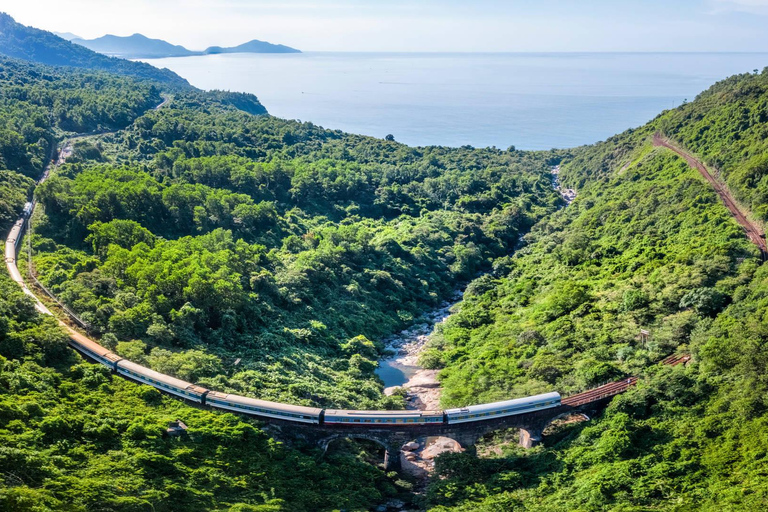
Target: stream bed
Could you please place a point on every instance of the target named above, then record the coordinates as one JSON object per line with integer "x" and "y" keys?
{"x": 402, "y": 369}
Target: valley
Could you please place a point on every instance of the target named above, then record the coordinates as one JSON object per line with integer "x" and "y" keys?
{"x": 238, "y": 260}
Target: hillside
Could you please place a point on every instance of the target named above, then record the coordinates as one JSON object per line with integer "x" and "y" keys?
{"x": 139, "y": 46}
{"x": 647, "y": 244}
{"x": 31, "y": 44}
{"x": 73, "y": 437}
{"x": 133, "y": 47}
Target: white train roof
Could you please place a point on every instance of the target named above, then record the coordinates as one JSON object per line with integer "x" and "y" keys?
{"x": 363, "y": 414}
{"x": 160, "y": 377}
{"x": 495, "y": 406}
{"x": 265, "y": 404}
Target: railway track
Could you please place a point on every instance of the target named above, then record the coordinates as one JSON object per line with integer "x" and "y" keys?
{"x": 755, "y": 234}
{"x": 147, "y": 376}
{"x": 599, "y": 393}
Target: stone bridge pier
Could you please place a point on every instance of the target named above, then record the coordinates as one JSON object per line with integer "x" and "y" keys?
{"x": 392, "y": 438}
{"x": 531, "y": 427}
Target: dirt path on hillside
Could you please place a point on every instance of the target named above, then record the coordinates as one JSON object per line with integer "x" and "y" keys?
{"x": 754, "y": 232}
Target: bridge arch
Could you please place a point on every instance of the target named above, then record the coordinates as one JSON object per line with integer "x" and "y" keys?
{"x": 391, "y": 449}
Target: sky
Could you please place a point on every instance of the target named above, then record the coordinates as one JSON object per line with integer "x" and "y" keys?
{"x": 417, "y": 25}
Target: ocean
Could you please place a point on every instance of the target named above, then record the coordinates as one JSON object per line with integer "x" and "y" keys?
{"x": 527, "y": 100}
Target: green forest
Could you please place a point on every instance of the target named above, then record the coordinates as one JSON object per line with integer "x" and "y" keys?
{"x": 213, "y": 242}
{"x": 646, "y": 245}
{"x": 223, "y": 235}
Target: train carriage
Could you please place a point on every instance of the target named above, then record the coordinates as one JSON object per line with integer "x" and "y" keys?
{"x": 264, "y": 408}
{"x": 383, "y": 418}
{"x": 501, "y": 409}
{"x": 162, "y": 382}
{"x": 93, "y": 350}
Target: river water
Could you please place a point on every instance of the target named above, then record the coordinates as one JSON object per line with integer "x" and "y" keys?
{"x": 402, "y": 368}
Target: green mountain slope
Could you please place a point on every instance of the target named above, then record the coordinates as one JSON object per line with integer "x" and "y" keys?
{"x": 646, "y": 245}
{"x": 74, "y": 437}
{"x": 275, "y": 242}
{"x": 36, "y": 45}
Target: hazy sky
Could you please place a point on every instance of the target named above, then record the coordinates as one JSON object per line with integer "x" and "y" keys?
{"x": 418, "y": 25}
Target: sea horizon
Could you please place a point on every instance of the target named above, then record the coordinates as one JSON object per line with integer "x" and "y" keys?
{"x": 529, "y": 100}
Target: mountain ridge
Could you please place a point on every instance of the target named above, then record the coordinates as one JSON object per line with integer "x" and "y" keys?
{"x": 137, "y": 46}
{"x": 35, "y": 45}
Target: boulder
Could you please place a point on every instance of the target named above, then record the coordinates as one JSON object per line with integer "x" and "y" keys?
{"x": 409, "y": 447}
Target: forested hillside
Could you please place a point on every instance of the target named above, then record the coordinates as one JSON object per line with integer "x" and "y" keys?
{"x": 38, "y": 103}
{"x": 288, "y": 246}
{"x": 202, "y": 233}
{"x": 646, "y": 245}
{"x": 74, "y": 437}
{"x": 40, "y": 46}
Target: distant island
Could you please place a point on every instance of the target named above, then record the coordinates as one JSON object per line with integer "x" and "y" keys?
{"x": 139, "y": 46}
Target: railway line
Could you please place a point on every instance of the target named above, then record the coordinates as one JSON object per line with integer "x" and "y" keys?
{"x": 358, "y": 420}
{"x": 250, "y": 406}
{"x": 755, "y": 234}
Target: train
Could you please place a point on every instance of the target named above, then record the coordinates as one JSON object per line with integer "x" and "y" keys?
{"x": 11, "y": 248}
{"x": 263, "y": 408}
{"x": 304, "y": 414}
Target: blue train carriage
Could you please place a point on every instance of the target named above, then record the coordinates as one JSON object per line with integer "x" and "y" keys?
{"x": 264, "y": 408}
{"x": 501, "y": 409}
{"x": 383, "y": 418}
{"x": 157, "y": 380}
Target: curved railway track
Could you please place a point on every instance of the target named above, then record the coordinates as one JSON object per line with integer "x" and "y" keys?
{"x": 292, "y": 413}
{"x": 755, "y": 234}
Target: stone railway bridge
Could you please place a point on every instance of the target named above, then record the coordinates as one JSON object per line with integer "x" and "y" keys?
{"x": 531, "y": 425}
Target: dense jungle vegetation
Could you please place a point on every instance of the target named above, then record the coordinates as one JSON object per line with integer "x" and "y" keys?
{"x": 205, "y": 231}
{"x": 74, "y": 437}
{"x": 37, "y": 103}
{"x": 645, "y": 245}
{"x": 223, "y": 235}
